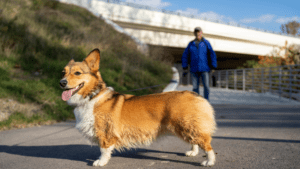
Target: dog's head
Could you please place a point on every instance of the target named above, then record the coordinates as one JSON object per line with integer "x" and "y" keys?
{"x": 82, "y": 78}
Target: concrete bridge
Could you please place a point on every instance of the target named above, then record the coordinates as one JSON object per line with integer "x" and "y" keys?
{"x": 172, "y": 32}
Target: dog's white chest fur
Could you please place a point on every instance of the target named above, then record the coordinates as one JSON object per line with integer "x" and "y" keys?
{"x": 85, "y": 120}
{"x": 84, "y": 114}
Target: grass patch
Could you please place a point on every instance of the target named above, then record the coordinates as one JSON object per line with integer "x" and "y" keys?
{"x": 39, "y": 37}
{"x": 18, "y": 120}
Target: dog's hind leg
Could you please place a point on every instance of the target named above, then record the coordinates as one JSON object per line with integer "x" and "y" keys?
{"x": 204, "y": 143}
{"x": 105, "y": 156}
{"x": 193, "y": 152}
{"x": 211, "y": 159}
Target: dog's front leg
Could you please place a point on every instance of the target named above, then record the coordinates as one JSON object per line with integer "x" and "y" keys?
{"x": 105, "y": 156}
{"x": 193, "y": 152}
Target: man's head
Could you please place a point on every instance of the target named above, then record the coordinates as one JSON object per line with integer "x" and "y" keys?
{"x": 198, "y": 33}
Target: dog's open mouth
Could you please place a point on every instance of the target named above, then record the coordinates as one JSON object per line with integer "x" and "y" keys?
{"x": 67, "y": 94}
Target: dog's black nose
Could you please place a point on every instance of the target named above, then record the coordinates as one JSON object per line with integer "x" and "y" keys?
{"x": 63, "y": 83}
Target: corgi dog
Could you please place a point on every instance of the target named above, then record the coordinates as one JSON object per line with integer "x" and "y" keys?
{"x": 115, "y": 121}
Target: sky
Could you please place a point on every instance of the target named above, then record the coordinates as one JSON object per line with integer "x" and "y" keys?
{"x": 259, "y": 14}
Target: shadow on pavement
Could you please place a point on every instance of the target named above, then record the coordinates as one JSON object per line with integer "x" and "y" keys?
{"x": 257, "y": 139}
{"x": 85, "y": 153}
{"x": 141, "y": 153}
{"x": 70, "y": 152}
{"x": 239, "y": 116}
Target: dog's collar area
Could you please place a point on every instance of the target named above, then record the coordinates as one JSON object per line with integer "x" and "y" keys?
{"x": 96, "y": 92}
{"x": 93, "y": 94}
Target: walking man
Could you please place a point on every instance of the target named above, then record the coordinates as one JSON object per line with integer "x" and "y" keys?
{"x": 201, "y": 58}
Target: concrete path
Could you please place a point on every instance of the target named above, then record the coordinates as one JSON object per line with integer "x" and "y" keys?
{"x": 227, "y": 96}
{"x": 249, "y": 136}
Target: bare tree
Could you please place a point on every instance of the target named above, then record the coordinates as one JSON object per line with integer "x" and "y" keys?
{"x": 291, "y": 27}
{"x": 295, "y": 53}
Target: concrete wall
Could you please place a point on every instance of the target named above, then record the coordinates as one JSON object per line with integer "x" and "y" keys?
{"x": 223, "y": 45}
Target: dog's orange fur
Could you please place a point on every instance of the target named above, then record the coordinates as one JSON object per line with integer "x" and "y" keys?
{"x": 139, "y": 119}
{"x": 126, "y": 120}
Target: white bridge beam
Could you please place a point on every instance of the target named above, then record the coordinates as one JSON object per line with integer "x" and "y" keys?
{"x": 159, "y": 28}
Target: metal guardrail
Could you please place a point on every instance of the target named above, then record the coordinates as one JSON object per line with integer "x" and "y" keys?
{"x": 139, "y": 6}
{"x": 283, "y": 81}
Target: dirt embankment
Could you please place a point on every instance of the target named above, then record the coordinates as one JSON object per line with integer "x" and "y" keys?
{"x": 10, "y": 106}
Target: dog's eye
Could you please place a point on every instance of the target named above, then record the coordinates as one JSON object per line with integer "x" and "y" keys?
{"x": 63, "y": 73}
{"x": 77, "y": 73}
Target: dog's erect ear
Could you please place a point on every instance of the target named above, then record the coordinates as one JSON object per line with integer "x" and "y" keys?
{"x": 93, "y": 60}
{"x": 71, "y": 61}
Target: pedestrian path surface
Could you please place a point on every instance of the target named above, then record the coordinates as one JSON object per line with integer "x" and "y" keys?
{"x": 227, "y": 96}
{"x": 249, "y": 135}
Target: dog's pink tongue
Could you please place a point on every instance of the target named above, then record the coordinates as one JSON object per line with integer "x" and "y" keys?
{"x": 66, "y": 95}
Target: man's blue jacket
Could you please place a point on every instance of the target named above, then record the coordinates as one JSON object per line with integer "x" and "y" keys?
{"x": 201, "y": 58}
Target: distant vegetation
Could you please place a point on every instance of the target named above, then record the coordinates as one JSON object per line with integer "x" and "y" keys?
{"x": 291, "y": 56}
{"x": 292, "y": 28}
{"x": 39, "y": 37}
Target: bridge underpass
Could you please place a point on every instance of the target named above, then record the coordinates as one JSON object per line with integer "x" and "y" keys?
{"x": 225, "y": 60}
{"x": 171, "y": 32}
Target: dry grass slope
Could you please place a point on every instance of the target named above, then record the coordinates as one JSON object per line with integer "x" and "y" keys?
{"x": 39, "y": 37}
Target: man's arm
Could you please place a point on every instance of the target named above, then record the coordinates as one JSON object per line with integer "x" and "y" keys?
{"x": 185, "y": 58}
{"x": 212, "y": 55}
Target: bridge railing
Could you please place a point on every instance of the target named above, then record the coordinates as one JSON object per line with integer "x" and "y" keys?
{"x": 283, "y": 81}
{"x": 139, "y": 6}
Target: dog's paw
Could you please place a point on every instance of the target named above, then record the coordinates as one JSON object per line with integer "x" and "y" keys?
{"x": 99, "y": 163}
{"x": 191, "y": 153}
{"x": 208, "y": 163}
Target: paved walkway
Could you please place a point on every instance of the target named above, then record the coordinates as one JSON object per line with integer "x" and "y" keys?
{"x": 250, "y": 135}
{"x": 227, "y": 96}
